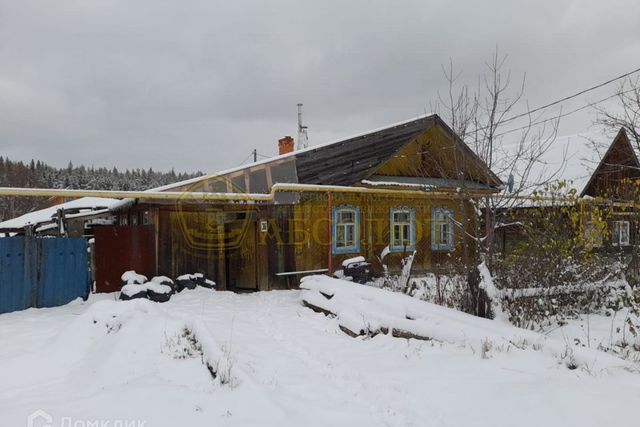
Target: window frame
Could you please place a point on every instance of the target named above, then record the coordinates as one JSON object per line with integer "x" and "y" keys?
{"x": 335, "y": 212}
{"x": 412, "y": 229}
{"x": 436, "y": 223}
{"x": 617, "y": 235}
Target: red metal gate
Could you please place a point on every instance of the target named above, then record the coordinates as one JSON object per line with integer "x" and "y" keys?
{"x": 123, "y": 248}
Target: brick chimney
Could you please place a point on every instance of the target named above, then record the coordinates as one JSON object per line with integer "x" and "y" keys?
{"x": 285, "y": 145}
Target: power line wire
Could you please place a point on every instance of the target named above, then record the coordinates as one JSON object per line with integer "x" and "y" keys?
{"x": 561, "y": 100}
{"x": 591, "y": 104}
{"x": 246, "y": 158}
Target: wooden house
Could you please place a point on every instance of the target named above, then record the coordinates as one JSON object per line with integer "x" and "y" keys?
{"x": 616, "y": 180}
{"x": 611, "y": 181}
{"x": 403, "y": 188}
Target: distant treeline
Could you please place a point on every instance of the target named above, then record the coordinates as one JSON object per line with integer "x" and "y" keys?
{"x": 38, "y": 174}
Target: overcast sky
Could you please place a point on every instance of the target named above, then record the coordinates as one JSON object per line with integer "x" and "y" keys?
{"x": 196, "y": 85}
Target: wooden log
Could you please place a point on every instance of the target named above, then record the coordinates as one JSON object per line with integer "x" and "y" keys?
{"x": 395, "y": 332}
{"x": 350, "y": 332}
{"x": 327, "y": 296}
{"x": 318, "y": 309}
{"x": 400, "y": 333}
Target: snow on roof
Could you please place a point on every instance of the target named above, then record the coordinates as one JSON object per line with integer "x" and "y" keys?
{"x": 421, "y": 182}
{"x": 82, "y": 205}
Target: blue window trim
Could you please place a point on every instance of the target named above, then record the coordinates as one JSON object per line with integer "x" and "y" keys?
{"x": 436, "y": 246}
{"x": 412, "y": 225}
{"x": 334, "y": 230}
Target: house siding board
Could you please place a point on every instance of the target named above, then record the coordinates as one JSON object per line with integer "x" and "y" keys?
{"x": 182, "y": 248}
{"x": 618, "y": 164}
{"x": 250, "y": 263}
{"x": 313, "y": 251}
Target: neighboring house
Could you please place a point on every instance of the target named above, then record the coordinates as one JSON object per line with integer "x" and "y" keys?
{"x": 75, "y": 218}
{"x": 616, "y": 179}
{"x": 610, "y": 179}
{"x": 382, "y": 194}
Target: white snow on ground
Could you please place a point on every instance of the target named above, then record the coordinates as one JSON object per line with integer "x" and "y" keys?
{"x": 599, "y": 331}
{"x": 285, "y": 365}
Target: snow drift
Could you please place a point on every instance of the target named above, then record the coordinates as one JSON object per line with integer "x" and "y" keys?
{"x": 368, "y": 311}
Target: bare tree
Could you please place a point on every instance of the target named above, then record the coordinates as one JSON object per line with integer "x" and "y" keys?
{"x": 626, "y": 114}
{"x": 485, "y": 119}
{"x": 490, "y": 120}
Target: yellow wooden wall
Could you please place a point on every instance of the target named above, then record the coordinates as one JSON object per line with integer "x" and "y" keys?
{"x": 434, "y": 154}
{"x": 312, "y": 243}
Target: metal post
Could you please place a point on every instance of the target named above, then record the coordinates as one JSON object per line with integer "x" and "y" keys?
{"x": 330, "y": 239}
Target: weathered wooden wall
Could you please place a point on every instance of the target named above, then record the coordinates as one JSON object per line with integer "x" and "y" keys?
{"x": 433, "y": 154}
{"x": 311, "y": 228}
{"x": 615, "y": 176}
{"x": 226, "y": 243}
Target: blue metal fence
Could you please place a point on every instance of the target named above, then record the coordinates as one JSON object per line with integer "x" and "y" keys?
{"x": 42, "y": 272}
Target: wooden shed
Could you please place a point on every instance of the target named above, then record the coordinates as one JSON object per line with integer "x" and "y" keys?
{"x": 401, "y": 188}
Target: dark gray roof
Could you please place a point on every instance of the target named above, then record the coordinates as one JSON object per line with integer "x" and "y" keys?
{"x": 349, "y": 161}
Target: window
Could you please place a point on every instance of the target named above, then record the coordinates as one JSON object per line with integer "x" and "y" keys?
{"x": 441, "y": 229}
{"x": 238, "y": 184}
{"x": 284, "y": 172}
{"x": 346, "y": 230}
{"x": 621, "y": 233}
{"x": 403, "y": 230}
{"x": 592, "y": 235}
{"x": 258, "y": 181}
{"x": 124, "y": 219}
{"x": 218, "y": 186}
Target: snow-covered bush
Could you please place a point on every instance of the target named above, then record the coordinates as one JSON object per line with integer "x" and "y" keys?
{"x": 557, "y": 268}
{"x": 445, "y": 286}
{"x": 442, "y": 287}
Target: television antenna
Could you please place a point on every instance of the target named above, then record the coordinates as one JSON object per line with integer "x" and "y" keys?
{"x": 303, "y": 138}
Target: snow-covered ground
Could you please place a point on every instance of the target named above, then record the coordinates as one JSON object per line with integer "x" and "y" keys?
{"x": 279, "y": 363}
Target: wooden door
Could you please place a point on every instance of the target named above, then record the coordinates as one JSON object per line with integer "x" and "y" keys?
{"x": 241, "y": 256}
